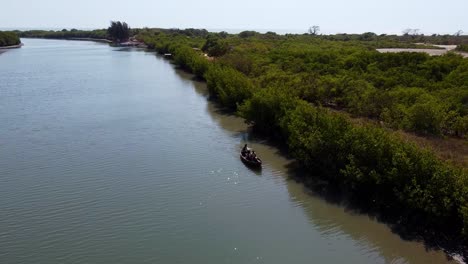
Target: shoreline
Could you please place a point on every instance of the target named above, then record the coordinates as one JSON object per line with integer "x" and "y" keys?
{"x": 124, "y": 44}
{"x": 91, "y": 39}
{"x": 79, "y": 39}
{"x": 13, "y": 46}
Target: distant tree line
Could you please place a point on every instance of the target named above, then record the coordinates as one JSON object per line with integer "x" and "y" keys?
{"x": 64, "y": 34}
{"x": 189, "y": 32}
{"x": 117, "y": 31}
{"x": 400, "y": 41}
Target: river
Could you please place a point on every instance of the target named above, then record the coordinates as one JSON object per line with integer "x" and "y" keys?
{"x": 111, "y": 155}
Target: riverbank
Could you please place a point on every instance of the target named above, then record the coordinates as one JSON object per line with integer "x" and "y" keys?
{"x": 100, "y": 35}
{"x": 92, "y": 39}
{"x": 78, "y": 39}
{"x": 13, "y": 46}
{"x": 133, "y": 44}
{"x": 9, "y": 40}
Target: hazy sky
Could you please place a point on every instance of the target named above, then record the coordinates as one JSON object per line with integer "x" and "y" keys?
{"x": 333, "y": 16}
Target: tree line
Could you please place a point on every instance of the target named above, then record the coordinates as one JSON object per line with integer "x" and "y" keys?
{"x": 117, "y": 31}
{"x": 64, "y": 34}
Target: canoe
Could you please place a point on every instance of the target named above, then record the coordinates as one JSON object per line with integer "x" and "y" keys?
{"x": 256, "y": 164}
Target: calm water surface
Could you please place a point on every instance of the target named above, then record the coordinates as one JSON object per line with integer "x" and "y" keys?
{"x": 110, "y": 155}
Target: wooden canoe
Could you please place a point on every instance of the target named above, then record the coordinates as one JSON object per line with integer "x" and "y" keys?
{"x": 255, "y": 164}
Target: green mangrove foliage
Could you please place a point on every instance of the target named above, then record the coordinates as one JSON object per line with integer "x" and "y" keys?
{"x": 8, "y": 39}
{"x": 280, "y": 84}
{"x": 215, "y": 46}
{"x": 380, "y": 170}
{"x": 409, "y": 91}
{"x": 348, "y": 76}
{"x": 228, "y": 85}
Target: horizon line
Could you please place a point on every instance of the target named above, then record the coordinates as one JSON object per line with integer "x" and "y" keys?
{"x": 281, "y": 31}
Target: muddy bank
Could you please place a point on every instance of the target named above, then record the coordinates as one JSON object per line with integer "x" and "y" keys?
{"x": 92, "y": 39}
{"x": 12, "y": 47}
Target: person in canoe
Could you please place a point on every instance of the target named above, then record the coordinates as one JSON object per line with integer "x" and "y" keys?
{"x": 253, "y": 156}
{"x": 249, "y": 157}
{"x": 245, "y": 150}
{"x": 249, "y": 153}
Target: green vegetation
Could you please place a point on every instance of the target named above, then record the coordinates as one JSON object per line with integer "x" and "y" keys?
{"x": 283, "y": 86}
{"x": 215, "y": 46}
{"x": 409, "y": 91}
{"x": 118, "y": 31}
{"x": 8, "y": 39}
{"x": 462, "y": 47}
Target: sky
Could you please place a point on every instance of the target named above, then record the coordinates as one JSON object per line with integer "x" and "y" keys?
{"x": 295, "y": 16}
